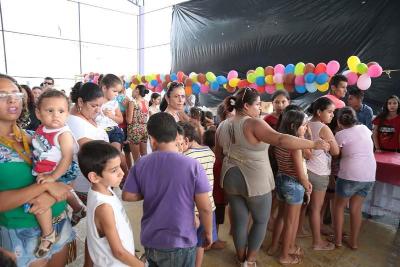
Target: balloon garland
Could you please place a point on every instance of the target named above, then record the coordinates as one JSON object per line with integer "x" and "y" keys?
{"x": 300, "y": 78}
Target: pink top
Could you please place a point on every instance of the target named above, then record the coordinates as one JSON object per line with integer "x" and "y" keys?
{"x": 357, "y": 162}
{"x": 320, "y": 162}
{"x": 336, "y": 101}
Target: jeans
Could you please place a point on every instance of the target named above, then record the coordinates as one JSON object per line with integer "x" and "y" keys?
{"x": 175, "y": 257}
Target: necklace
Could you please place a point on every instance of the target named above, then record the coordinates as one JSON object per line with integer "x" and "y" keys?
{"x": 19, "y": 136}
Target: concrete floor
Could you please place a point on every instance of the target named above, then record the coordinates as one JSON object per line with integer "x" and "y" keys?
{"x": 379, "y": 246}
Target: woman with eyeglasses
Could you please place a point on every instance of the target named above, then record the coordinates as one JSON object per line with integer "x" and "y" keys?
{"x": 242, "y": 144}
{"x": 19, "y": 230}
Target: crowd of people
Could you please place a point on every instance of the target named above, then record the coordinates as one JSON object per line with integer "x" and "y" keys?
{"x": 58, "y": 151}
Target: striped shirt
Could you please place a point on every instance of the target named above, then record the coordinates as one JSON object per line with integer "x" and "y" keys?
{"x": 285, "y": 161}
{"x": 206, "y": 158}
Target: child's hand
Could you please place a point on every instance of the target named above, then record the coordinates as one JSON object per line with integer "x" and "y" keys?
{"x": 45, "y": 178}
{"x": 108, "y": 113}
{"x": 207, "y": 240}
{"x": 307, "y": 186}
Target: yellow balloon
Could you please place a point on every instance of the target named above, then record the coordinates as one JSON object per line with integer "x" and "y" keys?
{"x": 269, "y": 79}
{"x": 323, "y": 87}
{"x": 233, "y": 82}
{"x": 352, "y": 63}
{"x": 280, "y": 86}
{"x": 224, "y": 85}
{"x": 133, "y": 86}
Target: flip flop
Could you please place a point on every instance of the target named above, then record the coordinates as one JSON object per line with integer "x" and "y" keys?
{"x": 327, "y": 247}
{"x": 293, "y": 260}
{"x": 298, "y": 251}
{"x": 332, "y": 239}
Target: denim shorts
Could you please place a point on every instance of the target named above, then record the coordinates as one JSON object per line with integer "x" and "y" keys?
{"x": 289, "y": 190}
{"x": 347, "y": 188}
{"x": 174, "y": 257}
{"x": 200, "y": 232}
{"x": 23, "y": 241}
{"x": 115, "y": 134}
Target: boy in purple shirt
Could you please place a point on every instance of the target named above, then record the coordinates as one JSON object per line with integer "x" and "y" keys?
{"x": 168, "y": 182}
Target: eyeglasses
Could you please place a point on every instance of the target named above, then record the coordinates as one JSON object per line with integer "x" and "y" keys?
{"x": 48, "y": 83}
{"x": 9, "y": 96}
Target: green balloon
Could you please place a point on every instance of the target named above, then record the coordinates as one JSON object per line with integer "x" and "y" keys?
{"x": 362, "y": 68}
{"x": 259, "y": 71}
{"x": 210, "y": 76}
{"x": 251, "y": 77}
{"x": 299, "y": 69}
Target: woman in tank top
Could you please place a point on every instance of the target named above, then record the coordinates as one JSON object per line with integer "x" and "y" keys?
{"x": 242, "y": 142}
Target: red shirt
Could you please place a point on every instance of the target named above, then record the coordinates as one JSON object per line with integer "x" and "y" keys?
{"x": 388, "y": 133}
{"x": 218, "y": 193}
{"x": 271, "y": 120}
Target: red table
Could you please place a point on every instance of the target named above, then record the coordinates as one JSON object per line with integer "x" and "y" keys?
{"x": 388, "y": 167}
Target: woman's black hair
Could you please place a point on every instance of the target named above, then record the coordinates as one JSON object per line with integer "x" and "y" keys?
{"x": 109, "y": 80}
{"x": 280, "y": 92}
{"x": 30, "y": 101}
{"x": 347, "y": 117}
{"x": 143, "y": 91}
{"x": 320, "y": 104}
{"x": 209, "y": 138}
{"x": 289, "y": 107}
{"x": 246, "y": 95}
{"x": 196, "y": 113}
{"x": 385, "y": 111}
{"x": 291, "y": 121}
{"x": 153, "y": 97}
{"x": 86, "y": 91}
{"x": 171, "y": 87}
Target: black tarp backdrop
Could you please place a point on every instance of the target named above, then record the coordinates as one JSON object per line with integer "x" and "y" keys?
{"x": 221, "y": 35}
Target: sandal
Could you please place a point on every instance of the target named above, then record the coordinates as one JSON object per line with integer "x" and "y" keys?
{"x": 298, "y": 251}
{"x": 77, "y": 216}
{"x": 326, "y": 247}
{"x": 43, "y": 249}
{"x": 332, "y": 239}
{"x": 293, "y": 260}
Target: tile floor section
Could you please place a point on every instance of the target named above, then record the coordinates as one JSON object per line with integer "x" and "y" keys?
{"x": 379, "y": 247}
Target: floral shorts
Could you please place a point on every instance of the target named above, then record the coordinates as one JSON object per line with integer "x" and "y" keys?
{"x": 137, "y": 133}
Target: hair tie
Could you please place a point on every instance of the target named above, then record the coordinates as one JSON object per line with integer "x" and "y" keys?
{"x": 232, "y": 102}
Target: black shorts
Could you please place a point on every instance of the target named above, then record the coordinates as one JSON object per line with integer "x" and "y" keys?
{"x": 220, "y": 213}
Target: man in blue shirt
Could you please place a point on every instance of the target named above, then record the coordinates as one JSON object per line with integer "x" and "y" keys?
{"x": 364, "y": 112}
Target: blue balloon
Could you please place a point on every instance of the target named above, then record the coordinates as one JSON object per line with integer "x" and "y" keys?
{"x": 214, "y": 86}
{"x": 289, "y": 69}
{"x": 309, "y": 77}
{"x": 260, "y": 81}
{"x": 154, "y": 83}
{"x": 173, "y": 77}
{"x": 127, "y": 84}
{"x": 322, "y": 78}
{"x": 221, "y": 80}
{"x": 196, "y": 88}
{"x": 311, "y": 87}
{"x": 301, "y": 89}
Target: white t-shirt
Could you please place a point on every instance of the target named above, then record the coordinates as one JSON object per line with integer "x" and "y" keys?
{"x": 357, "y": 162}
{"x": 99, "y": 248}
{"x": 81, "y": 128}
{"x": 102, "y": 120}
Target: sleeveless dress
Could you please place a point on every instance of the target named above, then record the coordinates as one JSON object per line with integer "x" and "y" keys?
{"x": 137, "y": 131}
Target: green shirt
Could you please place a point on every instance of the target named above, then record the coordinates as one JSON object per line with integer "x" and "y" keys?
{"x": 17, "y": 175}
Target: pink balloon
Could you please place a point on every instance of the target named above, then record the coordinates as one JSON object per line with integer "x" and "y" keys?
{"x": 253, "y": 85}
{"x": 232, "y": 74}
{"x": 375, "y": 71}
{"x": 352, "y": 78}
{"x": 159, "y": 88}
{"x": 279, "y": 69}
{"x": 204, "y": 88}
{"x": 270, "y": 89}
{"x": 364, "y": 82}
{"x": 299, "y": 80}
{"x": 332, "y": 68}
{"x": 278, "y": 77}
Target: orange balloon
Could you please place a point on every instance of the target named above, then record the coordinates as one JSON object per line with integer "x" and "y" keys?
{"x": 269, "y": 70}
{"x": 188, "y": 90}
{"x": 309, "y": 67}
{"x": 201, "y": 78}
